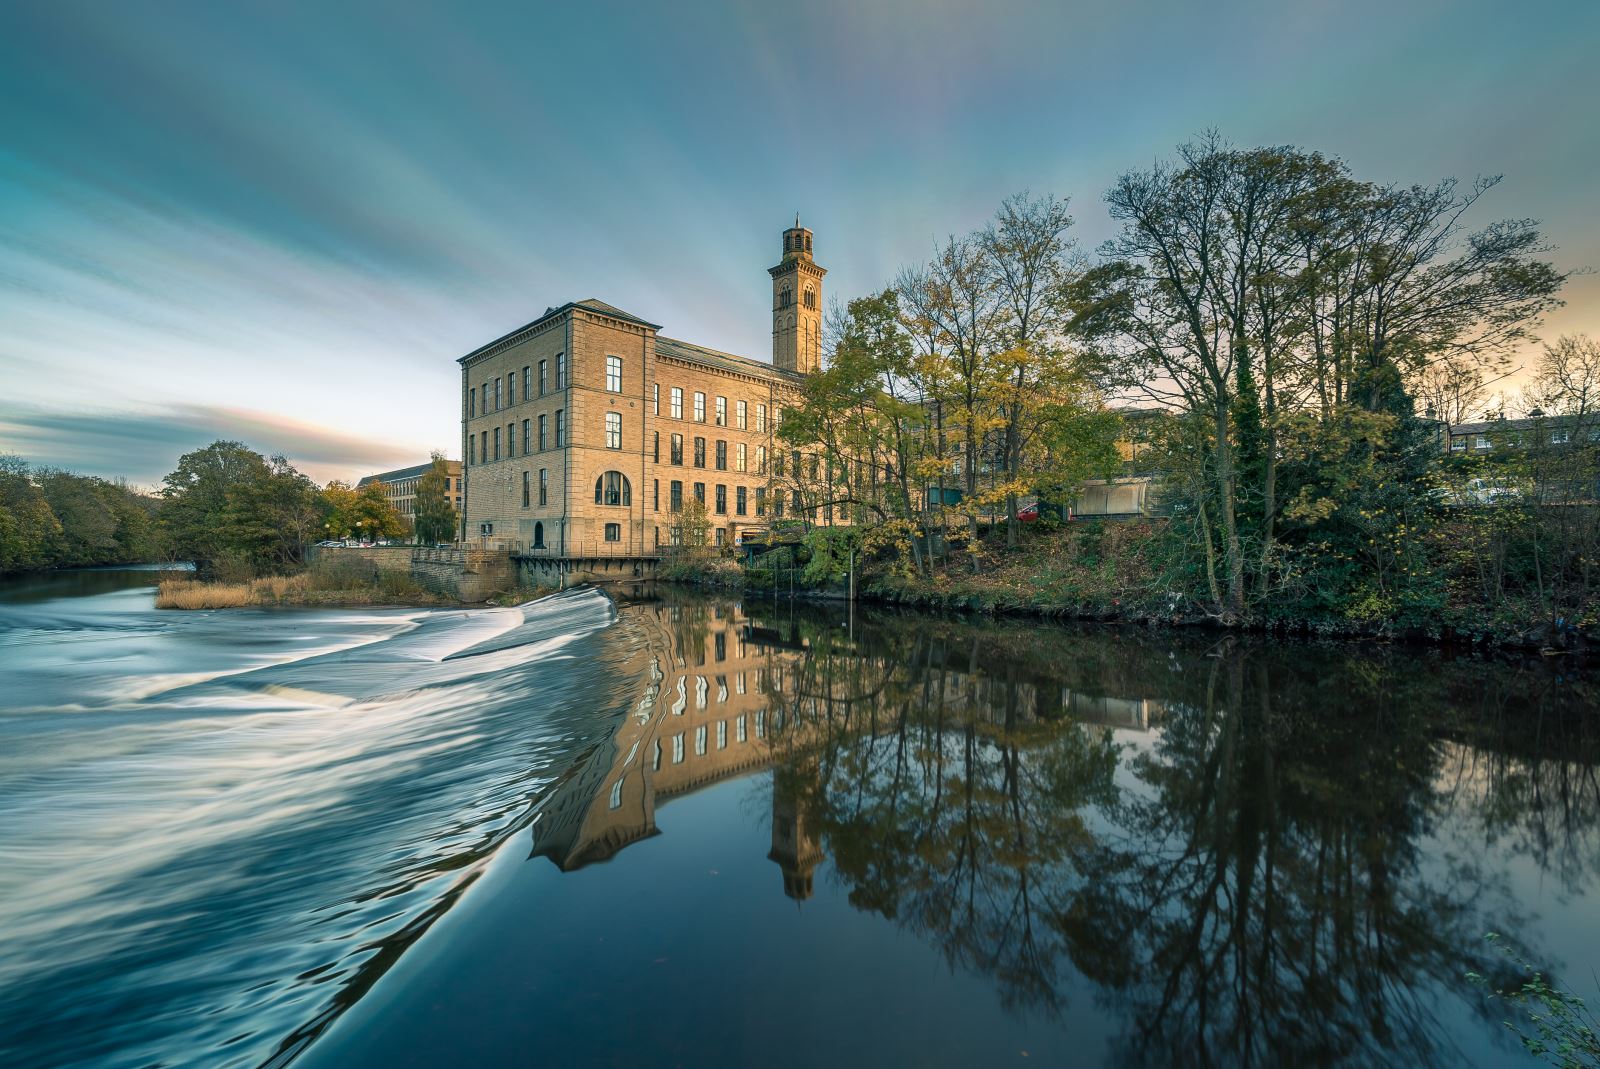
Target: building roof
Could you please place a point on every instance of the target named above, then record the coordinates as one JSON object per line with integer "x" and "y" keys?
{"x": 414, "y": 472}
{"x": 699, "y": 354}
{"x": 1502, "y": 425}
{"x": 671, "y": 347}
{"x": 590, "y": 303}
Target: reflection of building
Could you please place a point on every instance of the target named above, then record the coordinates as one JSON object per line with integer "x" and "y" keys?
{"x": 795, "y": 845}
{"x": 400, "y": 486}
{"x": 729, "y": 696}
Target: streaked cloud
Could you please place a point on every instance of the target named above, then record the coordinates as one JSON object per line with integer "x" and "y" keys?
{"x": 143, "y": 446}
{"x": 311, "y": 211}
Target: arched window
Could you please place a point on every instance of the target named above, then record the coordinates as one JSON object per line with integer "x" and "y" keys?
{"x": 538, "y": 536}
{"x": 785, "y": 296}
{"x": 808, "y": 242}
{"x": 613, "y": 488}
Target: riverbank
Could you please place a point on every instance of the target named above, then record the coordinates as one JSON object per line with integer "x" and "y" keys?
{"x": 1131, "y": 574}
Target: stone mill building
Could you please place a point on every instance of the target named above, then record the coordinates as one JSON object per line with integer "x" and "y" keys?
{"x": 585, "y": 431}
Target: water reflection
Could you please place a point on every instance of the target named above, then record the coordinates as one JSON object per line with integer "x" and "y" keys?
{"x": 1246, "y": 854}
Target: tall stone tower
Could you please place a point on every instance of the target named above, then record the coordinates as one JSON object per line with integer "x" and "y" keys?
{"x": 797, "y": 304}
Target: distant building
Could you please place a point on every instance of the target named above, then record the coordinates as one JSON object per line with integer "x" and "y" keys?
{"x": 401, "y": 487}
{"x": 1517, "y": 434}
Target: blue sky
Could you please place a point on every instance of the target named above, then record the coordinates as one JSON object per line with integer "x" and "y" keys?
{"x": 284, "y": 223}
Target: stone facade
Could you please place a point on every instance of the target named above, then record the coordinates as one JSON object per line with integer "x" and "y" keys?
{"x": 579, "y": 428}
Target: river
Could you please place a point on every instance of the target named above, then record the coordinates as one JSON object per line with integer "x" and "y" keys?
{"x": 660, "y": 828}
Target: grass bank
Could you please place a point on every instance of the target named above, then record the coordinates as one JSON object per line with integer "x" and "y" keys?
{"x": 328, "y": 585}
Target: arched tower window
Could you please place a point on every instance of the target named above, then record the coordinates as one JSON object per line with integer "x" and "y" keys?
{"x": 613, "y": 488}
{"x": 538, "y": 536}
{"x": 808, "y": 242}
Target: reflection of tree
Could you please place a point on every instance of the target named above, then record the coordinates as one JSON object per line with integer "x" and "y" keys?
{"x": 1258, "y": 892}
{"x": 1265, "y": 903}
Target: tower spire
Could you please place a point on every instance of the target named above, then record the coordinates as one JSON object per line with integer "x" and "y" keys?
{"x": 797, "y": 303}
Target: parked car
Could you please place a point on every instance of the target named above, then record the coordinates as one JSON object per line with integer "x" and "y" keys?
{"x": 1029, "y": 512}
{"x": 331, "y": 543}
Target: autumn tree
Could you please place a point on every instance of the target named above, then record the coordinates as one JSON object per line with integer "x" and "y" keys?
{"x": 436, "y": 518}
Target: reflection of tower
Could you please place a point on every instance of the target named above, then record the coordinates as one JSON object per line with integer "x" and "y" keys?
{"x": 795, "y": 846}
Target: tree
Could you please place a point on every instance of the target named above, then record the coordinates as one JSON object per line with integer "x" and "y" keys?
{"x": 195, "y": 496}
{"x": 268, "y": 520}
{"x": 29, "y": 531}
{"x": 436, "y": 518}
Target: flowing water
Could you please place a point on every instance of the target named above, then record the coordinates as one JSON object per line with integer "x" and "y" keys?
{"x": 667, "y": 829}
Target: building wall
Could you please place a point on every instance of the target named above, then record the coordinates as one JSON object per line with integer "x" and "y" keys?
{"x": 573, "y": 523}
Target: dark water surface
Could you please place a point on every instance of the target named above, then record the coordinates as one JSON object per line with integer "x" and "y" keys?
{"x": 684, "y": 831}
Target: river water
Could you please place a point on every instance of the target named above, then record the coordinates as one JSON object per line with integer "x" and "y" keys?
{"x": 659, "y": 828}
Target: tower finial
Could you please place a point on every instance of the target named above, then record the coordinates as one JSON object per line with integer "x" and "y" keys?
{"x": 797, "y": 220}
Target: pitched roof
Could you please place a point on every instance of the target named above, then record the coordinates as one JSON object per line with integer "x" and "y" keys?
{"x": 699, "y": 354}
{"x": 415, "y": 472}
{"x": 588, "y": 303}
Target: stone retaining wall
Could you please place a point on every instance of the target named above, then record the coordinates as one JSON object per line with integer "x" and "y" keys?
{"x": 469, "y": 575}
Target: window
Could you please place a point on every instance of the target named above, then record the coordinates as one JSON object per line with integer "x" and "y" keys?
{"x": 561, "y": 371}
{"x": 497, "y": 443}
{"x": 543, "y": 377}
{"x": 700, "y": 492}
{"x": 472, "y": 402}
{"x": 700, "y": 741}
{"x": 497, "y": 395}
{"x": 722, "y": 456}
{"x": 720, "y": 411}
{"x": 676, "y": 455}
{"x": 675, "y": 496}
{"x": 613, "y": 430}
{"x": 739, "y": 457}
{"x": 761, "y": 419}
{"x": 538, "y": 536}
{"x": 655, "y": 399}
{"x": 655, "y": 447}
{"x": 612, "y": 488}
{"x": 811, "y": 297}
{"x": 527, "y": 437}
{"x": 614, "y": 374}
{"x": 677, "y": 748}
{"x": 1458, "y": 443}
{"x": 541, "y": 434}
{"x": 472, "y": 449}
{"x": 1559, "y": 437}
{"x": 722, "y": 733}
{"x": 613, "y": 532}
{"x": 740, "y": 730}
{"x": 1483, "y": 442}
{"x": 511, "y": 439}
{"x": 761, "y": 501}
{"x": 699, "y": 452}
{"x": 511, "y": 389}
{"x": 527, "y": 383}
{"x": 616, "y": 795}
{"x": 699, "y": 407}
{"x": 761, "y": 458}
{"x": 655, "y": 495}
{"x": 559, "y": 435}
{"x": 676, "y": 402}
{"x": 527, "y": 488}
{"x": 785, "y": 294}
{"x": 544, "y": 488}
{"x": 739, "y": 414}
{"x": 722, "y": 500}
{"x": 777, "y": 503}
{"x": 722, "y": 534}
{"x": 483, "y": 447}
{"x": 739, "y": 501}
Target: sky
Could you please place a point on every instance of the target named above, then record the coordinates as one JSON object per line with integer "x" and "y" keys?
{"x": 283, "y": 223}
